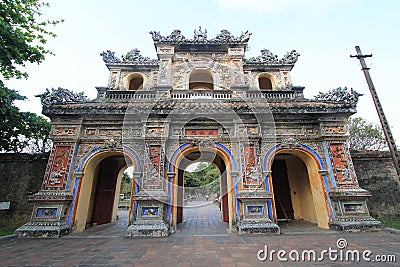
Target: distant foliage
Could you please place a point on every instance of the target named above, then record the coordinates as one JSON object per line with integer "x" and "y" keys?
{"x": 126, "y": 185}
{"x": 203, "y": 180}
{"x": 365, "y": 135}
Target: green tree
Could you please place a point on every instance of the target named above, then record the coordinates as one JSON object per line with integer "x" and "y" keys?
{"x": 126, "y": 185}
{"x": 204, "y": 179}
{"x": 22, "y": 39}
{"x": 365, "y": 135}
{"x": 22, "y": 35}
{"x": 21, "y": 131}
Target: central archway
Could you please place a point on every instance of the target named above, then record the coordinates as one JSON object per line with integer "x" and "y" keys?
{"x": 210, "y": 158}
{"x": 218, "y": 155}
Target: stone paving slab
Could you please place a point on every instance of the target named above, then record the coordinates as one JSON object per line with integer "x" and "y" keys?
{"x": 198, "y": 243}
{"x": 230, "y": 250}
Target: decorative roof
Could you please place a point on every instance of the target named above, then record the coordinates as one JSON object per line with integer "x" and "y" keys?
{"x": 343, "y": 95}
{"x": 166, "y": 106}
{"x": 61, "y": 96}
{"x": 268, "y": 58}
{"x": 133, "y": 57}
{"x": 200, "y": 37}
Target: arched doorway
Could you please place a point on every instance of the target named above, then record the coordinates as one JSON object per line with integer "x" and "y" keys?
{"x": 201, "y": 79}
{"x": 99, "y": 191}
{"x": 212, "y": 155}
{"x": 223, "y": 192}
{"x": 298, "y": 188}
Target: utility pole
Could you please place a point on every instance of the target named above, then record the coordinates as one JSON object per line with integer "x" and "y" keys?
{"x": 385, "y": 125}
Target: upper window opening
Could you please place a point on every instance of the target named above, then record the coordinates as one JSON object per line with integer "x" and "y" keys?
{"x": 136, "y": 83}
{"x": 264, "y": 83}
{"x": 201, "y": 80}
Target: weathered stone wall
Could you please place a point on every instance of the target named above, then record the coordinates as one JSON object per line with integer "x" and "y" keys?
{"x": 376, "y": 173}
{"x": 21, "y": 175}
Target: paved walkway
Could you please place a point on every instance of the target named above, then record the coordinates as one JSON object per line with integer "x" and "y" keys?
{"x": 202, "y": 218}
{"x": 201, "y": 240}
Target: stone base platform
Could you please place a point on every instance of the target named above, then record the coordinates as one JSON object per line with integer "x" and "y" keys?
{"x": 43, "y": 230}
{"x": 364, "y": 225}
{"x": 148, "y": 229}
{"x": 258, "y": 227}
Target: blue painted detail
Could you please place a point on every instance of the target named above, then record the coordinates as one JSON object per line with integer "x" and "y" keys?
{"x": 97, "y": 149}
{"x": 266, "y": 181}
{"x": 169, "y": 201}
{"x": 71, "y": 207}
{"x": 237, "y": 200}
{"x": 50, "y": 213}
{"x": 255, "y": 210}
{"x": 231, "y": 158}
{"x": 268, "y": 154}
{"x": 179, "y": 149}
{"x": 269, "y": 210}
{"x": 329, "y": 163}
{"x": 90, "y": 153}
{"x": 134, "y": 155}
{"x": 71, "y": 169}
{"x": 266, "y": 158}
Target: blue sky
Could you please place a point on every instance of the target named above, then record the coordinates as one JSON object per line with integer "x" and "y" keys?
{"x": 323, "y": 32}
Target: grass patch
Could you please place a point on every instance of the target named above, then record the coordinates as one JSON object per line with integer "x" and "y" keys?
{"x": 390, "y": 222}
{"x": 7, "y": 230}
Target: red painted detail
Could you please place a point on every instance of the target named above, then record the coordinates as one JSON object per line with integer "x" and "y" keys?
{"x": 201, "y": 132}
{"x": 58, "y": 166}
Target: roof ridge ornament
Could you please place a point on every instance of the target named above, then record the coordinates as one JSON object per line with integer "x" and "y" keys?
{"x": 339, "y": 95}
{"x": 200, "y": 36}
{"x": 268, "y": 58}
{"x": 61, "y": 96}
{"x": 133, "y": 57}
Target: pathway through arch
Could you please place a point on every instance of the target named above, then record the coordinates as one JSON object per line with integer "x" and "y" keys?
{"x": 202, "y": 218}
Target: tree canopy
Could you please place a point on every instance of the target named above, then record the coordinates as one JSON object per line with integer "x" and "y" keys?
{"x": 365, "y": 135}
{"x": 22, "y": 39}
{"x": 22, "y": 35}
{"x": 204, "y": 179}
{"x": 21, "y": 131}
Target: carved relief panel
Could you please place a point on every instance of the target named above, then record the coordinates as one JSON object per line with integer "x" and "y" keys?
{"x": 64, "y": 131}
{"x": 342, "y": 165}
{"x": 58, "y": 166}
{"x": 250, "y": 164}
{"x": 153, "y": 167}
{"x": 334, "y": 130}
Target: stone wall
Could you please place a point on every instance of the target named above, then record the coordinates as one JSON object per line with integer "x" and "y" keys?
{"x": 376, "y": 173}
{"x": 21, "y": 175}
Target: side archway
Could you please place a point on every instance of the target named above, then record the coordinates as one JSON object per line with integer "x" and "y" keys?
{"x": 301, "y": 172}
{"x": 101, "y": 164}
